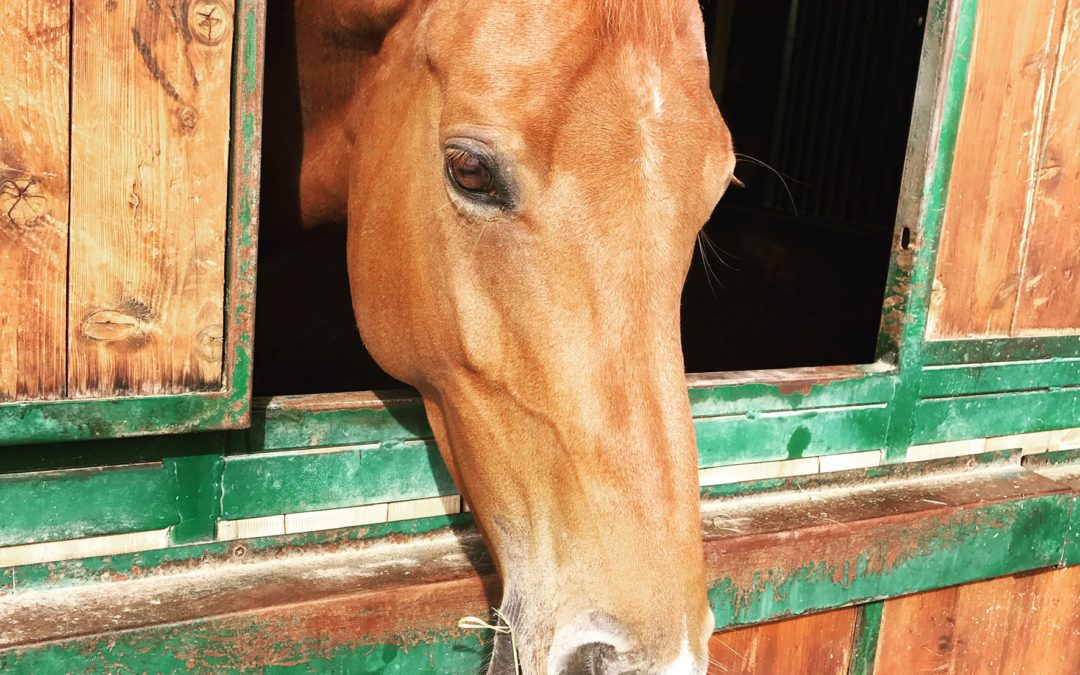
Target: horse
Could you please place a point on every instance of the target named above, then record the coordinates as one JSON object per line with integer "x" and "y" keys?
{"x": 523, "y": 184}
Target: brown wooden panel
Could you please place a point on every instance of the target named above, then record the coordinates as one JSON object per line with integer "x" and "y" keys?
{"x": 816, "y": 643}
{"x": 1022, "y": 624}
{"x": 1050, "y": 286}
{"x": 34, "y": 37}
{"x": 150, "y": 132}
{"x": 976, "y": 282}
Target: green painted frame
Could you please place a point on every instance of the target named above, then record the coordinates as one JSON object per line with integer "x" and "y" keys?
{"x": 72, "y": 420}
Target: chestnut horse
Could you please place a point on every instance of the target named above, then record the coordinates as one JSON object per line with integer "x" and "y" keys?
{"x": 523, "y": 183}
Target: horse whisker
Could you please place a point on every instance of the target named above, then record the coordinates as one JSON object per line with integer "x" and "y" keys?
{"x": 710, "y": 274}
{"x": 783, "y": 180}
{"x": 719, "y": 252}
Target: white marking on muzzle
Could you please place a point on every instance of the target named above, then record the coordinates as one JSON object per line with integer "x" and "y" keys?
{"x": 684, "y": 664}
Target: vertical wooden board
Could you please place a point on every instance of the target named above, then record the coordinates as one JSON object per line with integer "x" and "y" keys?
{"x": 1028, "y": 623}
{"x": 979, "y": 258}
{"x": 34, "y": 117}
{"x": 1050, "y": 285}
{"x": 816, "y": 643}
{"x": 149, "y": 151}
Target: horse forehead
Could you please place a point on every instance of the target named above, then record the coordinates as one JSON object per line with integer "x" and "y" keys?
{"x": 535, "y": 46}
{"x": 504, "y": 35}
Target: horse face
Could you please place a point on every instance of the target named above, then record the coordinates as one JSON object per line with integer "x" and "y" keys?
{"x": 526, "y": 187}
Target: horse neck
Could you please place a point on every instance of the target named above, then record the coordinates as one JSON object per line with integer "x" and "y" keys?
{"x": 318, "y": 52}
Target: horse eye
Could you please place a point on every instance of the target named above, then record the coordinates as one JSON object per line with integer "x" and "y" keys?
{"x": 470, "y": 173}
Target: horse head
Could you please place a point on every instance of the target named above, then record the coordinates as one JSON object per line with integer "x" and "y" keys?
{"x": 525, "y": 184}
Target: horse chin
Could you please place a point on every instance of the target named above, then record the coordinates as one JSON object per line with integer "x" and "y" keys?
{"x": 596, "y": 643}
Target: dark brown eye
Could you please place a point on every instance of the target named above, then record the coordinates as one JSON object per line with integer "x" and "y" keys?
{"x": 470, "y": 172}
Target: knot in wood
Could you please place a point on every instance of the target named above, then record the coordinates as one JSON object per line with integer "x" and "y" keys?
{"x": 189, "y": 119}
{"x": 208, "y": 343}
{"x": 22, "y": 202}
{"x": 209, "y": 22}
{"x": 130, "y": 325}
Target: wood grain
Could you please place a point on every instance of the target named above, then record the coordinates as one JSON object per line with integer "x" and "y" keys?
{"x": 150, "y": 134}
{"x": 34, "y": 116}
{"x": 1050, "y": 286}
{"x": 816, "y": 643}
{"x": 979, "y": 259}
{"x": 1027, "y": 623}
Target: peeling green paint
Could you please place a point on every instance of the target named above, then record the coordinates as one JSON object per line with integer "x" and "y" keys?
{"x": 86, "y": 503}
{"x": 809, "y": 433}
{"x": 992, "y": 378}
{"x": 172, "y": 650}
{"x": 948, "y": 60}
{"x": 954, "y": 352}
{"x": 738, "y": 399}
{"x": 943, "y": 419}
{"x": 257, "y": 486}
{"x": 966, "y": 547}
{"x": 867, "y": 629}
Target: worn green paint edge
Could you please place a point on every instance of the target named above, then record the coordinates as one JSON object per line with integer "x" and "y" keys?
{"x": 711, "y": 401}
{"x": 74, "y": 420}
{"x": 87, "y": 503}
{"x": 262, "y": 485}
{"x": 1003, "y": 538}
{"x": 256, "y": 485}
{"x": 1063, "y": 466}
{"x": 740, "y": 439}
{"x": 945, "y": 381}
{"x": 969, "y": 545}
{"x": 865, "y": 643}
{"x": 863, "y": 477}
{"x": 66, "y": 573}
{"x": 169, "y": 650}
{"x": 956, "y": 352}
{"x": 276, "y": 428}
{"x": 981, "y": 416}
{"x": 81, "y": 420}
{"x": 951, "y": 24}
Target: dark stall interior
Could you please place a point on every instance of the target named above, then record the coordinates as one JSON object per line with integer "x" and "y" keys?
{"x": 820, "y": 91}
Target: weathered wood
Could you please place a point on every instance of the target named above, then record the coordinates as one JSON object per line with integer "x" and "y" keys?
{"x": 1021, "y": 624}
{"x": 980, "y": 252}
{"x": 1050, "y": 285}
{"x": 818, "y": 643}
{"x": 34, "y": 115}
{"x": 150, "y": 138}
{"x": 801, "y": 550}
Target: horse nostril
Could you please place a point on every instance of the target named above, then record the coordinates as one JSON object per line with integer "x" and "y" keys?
{"x": 590, "y": 659}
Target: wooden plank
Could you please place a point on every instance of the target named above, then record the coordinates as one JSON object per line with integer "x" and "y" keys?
{"x": 1050, "y": 285}
{"x": 304, "y": 480}
{"x": 79, "y": 503}
{"x": 150, "y": 139}
{"x": 253, "y": 604}
{"x": 34, "y": 116}
{"x": 979, "y": 257}
{"x": 1021, "y": 624}
{"x": 938, "y": 382}
{"x": 818, "y": 643}
{"x": 981, "y": 416}
{"x": 954, "y": 352}
{"x": 790, "y": 435}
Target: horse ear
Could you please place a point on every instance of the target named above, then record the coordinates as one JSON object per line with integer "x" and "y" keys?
{"x": 368, "y": 16}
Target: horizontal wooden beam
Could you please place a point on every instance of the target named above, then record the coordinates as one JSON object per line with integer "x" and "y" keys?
{"x": 805, "y": 545}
